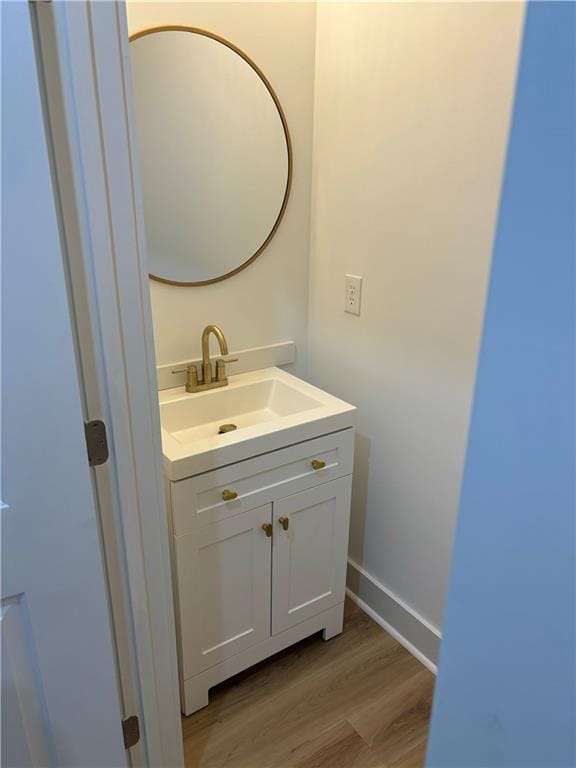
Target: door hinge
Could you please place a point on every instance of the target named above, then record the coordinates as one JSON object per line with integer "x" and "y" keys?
{"x": 96, "y": 442}
{"x": 131, "y": 731}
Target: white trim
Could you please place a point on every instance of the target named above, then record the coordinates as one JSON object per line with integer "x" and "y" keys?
{"x": 86, "y": 66}
{"x": 252, "y": 359}
{"x": 411, "y": 630}
{"x": 405, "y": 607}
{"x": 391, "y": 631}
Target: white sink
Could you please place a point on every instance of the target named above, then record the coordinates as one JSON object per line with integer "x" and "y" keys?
{"x": 270, "y": 409}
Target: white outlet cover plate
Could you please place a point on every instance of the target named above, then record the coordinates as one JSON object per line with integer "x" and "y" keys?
{"x": 353, "y": 294}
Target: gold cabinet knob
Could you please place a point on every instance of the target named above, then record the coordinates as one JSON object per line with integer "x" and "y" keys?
{"x": 284, "y": 522}
{"x": 229, "y": 495}
{"x": 267, "y": 528}
{"x": 318, "y": 464}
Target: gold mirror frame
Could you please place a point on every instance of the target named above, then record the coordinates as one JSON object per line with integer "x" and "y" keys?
{"x": 262, "y": 76}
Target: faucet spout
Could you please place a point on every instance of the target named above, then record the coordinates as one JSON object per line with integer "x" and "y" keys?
{"x": 206, "y": 364}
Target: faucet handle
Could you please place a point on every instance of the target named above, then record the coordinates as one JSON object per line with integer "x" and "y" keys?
{"x": 191, "y": 377}
{"x": 221, "y": 367}
{"x": 184, "y": 370}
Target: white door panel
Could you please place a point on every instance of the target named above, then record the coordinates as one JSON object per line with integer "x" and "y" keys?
{"x": 309, "y": 559}
{"x": 60, "y": 699}
{"x": 224, "y": 576}
{"x": 25, "y": 728}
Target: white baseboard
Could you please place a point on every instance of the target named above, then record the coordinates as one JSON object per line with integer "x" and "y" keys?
{"x": 405, "y": 625}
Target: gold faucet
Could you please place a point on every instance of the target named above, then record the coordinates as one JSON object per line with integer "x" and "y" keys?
{"x": 209, "y": 380}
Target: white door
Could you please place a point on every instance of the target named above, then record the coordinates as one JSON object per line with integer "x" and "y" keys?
{"x": 224, "y": 572}
{"x": 310, "y": 546}
{"x": 60, "y": 702}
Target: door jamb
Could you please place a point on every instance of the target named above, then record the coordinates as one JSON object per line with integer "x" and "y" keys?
{"x": 84, "y": 60}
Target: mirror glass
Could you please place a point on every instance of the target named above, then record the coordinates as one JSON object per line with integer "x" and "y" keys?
{"x": 214, "y": 150}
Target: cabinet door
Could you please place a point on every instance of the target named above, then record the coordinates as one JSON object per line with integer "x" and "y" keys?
{"x": 310, "y": 549}
{"x": 223, "y": 578}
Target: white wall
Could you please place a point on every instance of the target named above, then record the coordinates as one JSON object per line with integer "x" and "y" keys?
{"x": 410, "y": 106}
{"x": 268, "y": 301}
{"x": 412, "y": 109}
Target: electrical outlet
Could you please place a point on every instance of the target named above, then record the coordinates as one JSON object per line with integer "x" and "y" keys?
{"x": 353, "y": 294}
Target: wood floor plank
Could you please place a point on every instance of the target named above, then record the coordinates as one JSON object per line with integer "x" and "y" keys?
{"x": 415, "y": 757}
{"x": 338, "y": 747}
{"x": 361, "y": 695}
{"x": 383, "y": 714}
{"x": 307, "y": 707}
{"x": 399, "y": 720}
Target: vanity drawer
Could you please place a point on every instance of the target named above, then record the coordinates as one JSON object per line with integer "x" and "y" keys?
{"x": 200, "y": 500}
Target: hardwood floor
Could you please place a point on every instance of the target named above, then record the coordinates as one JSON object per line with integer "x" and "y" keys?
{"x": 357, "y": 701}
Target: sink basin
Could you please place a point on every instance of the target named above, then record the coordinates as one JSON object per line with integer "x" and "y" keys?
{"x": 189, "y": 419}
{"x": 264, "y": 410}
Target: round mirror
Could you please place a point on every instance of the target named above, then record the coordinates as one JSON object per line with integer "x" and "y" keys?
{"x": 215, "y": 156}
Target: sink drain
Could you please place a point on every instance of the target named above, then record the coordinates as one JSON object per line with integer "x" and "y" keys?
{"x": 226, "y": 428}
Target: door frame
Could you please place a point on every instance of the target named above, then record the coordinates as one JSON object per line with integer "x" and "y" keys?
{"x": 84, "y": 73}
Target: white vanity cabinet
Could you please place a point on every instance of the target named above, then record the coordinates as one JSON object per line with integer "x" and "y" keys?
{"x": 259, "y": 557}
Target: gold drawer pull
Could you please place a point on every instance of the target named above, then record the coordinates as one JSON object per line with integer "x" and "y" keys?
{"x": 284, "y": 522}
{"x": 229, "y": 495}
{"x": 318, "y": 464}
{"x": 267, "y": 528}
